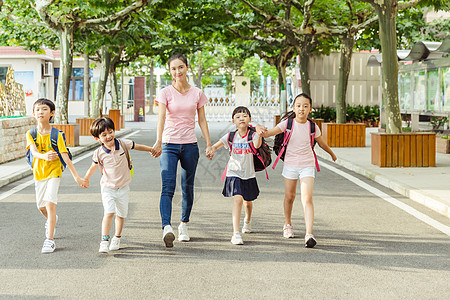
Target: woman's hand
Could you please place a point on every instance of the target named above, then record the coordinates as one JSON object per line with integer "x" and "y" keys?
{"x": 157, "y": 149}
{"x": 209, "y": 151}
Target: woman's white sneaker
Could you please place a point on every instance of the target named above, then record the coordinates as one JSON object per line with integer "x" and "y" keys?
{"x": 168, "y": 236}
{"x": 183, "y": 235}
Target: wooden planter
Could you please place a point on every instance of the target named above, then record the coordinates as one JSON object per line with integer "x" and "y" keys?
{"x": 72, "y": 132}
{"x": 442, "y": 145}
{"x": 85, "y": 125}
{"x": 404, "y": 150}
{"x": 114, "y": 114}
{"x": 319, "y": 122}
{"x": 122, "y": 125}
{"x": 344, "y": 135}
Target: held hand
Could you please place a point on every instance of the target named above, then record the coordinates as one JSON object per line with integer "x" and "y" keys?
{"x": 157, "y": 149}
{"x": 260, "y": 130}
{"x": 82, "y": 182}
{"x": 210, "y": 152}
{"x": 50, "y": 155}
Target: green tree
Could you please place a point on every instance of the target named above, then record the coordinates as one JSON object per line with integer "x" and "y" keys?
{"x": 64, "y": 19}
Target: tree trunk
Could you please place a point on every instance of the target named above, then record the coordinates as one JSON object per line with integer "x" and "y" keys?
{"x": 344, "y": 72}
{"x": 387, "y": 13}
{"x": 65, "y": 73}
{"x": 86, "y": 85}
{"x": 304, "y": 70}
{"x": 105, "y": 57}
{"x": 151, "y": 86}
{"x": 114, "y": 87}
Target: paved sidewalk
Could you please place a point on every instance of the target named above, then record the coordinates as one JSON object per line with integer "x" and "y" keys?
{"x": 427, "y": 186}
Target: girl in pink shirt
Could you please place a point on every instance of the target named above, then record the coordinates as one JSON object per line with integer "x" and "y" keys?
{"x": 176, "y": 141}
{"x": 299, "y": 163}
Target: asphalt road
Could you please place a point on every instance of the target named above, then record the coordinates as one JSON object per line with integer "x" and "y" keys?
{"x": 367, "y": 248}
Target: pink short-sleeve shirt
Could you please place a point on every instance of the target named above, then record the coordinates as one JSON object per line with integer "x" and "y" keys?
{"x": 299, "y": 152}
{"x": 116, "y": 173}
{"x": 179, "y": 127}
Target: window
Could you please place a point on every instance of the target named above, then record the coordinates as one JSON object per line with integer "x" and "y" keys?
{"x": 3, "y": 71}
{"x": 76, "y": 83}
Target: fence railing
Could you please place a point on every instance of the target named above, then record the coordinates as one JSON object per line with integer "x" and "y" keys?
{"x": 261, "y": 108}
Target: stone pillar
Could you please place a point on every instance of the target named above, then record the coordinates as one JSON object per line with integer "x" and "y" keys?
{"x": 242, "y": 85}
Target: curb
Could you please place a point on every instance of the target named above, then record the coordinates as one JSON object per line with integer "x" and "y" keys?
{"x": 403, "y": 189}
{"x": 25, "y": 171}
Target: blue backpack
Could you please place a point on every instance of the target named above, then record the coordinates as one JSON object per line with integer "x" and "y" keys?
{"x": 54, "y": 140}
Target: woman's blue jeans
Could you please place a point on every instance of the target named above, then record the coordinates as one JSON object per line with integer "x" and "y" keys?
{"x": 188, "y": 155}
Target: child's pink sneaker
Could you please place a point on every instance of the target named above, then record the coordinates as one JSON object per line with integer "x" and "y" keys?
{"x": 288, "y": 231}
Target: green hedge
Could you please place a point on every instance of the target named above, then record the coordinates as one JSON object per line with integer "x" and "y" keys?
{"x": 354, "y": 113}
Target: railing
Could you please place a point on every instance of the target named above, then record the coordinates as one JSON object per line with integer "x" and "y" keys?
{"x": 261, "y": 108}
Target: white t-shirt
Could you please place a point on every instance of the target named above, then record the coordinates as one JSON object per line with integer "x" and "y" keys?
{"x": 241, "y": 159}
{"x": 298, "y": 151}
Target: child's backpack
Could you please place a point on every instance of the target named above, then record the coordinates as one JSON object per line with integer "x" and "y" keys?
{"x": 261, "y": 157}
{"x": 282, "y": 140}
{"x": 127, "y": 155}
{"x": 54, "y": 141}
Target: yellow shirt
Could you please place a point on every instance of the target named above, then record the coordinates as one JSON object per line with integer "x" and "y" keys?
{"x": 43, "y": 169}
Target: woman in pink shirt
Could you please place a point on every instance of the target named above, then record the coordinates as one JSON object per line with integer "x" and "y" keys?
{"x": 176, "y": 141}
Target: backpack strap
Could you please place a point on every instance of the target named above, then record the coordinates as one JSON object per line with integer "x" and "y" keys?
{"x": 312, "y": 129}
{"x": 254, "y": 150}
{"x": 230, "y": 140}
{"x": 54, "y": 140}
{"x": 33, "y": 133}
{"x": 130, "y": 166}
{"x": 287, "y": 136}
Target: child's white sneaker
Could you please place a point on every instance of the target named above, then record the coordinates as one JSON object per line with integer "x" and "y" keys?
{"x": 104, "y": 247}
{"x": 183, "y": 235}
{"x": 236, "y": 239}
{"x": 115, "y": 244}
{"x": 46, "y": 227}
{"x": 288, "y": 231}
{"x": 49, "y": 246}
{"x": 247, "y": 228}
{"x": 168, "y": 236}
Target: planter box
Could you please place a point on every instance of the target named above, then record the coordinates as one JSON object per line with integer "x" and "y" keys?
{"x": 85, "y": 125}
{"x": 442, "y": 145}
{"x": 319, "y": 122}
{"x": 13, "y": 136}
{"x": 344, "y": 135}
{"x": 72, "y": 132}
{"x": 122, "y": 125}
{"x": 404, "y": 149}
{"x": 114, "y": 115}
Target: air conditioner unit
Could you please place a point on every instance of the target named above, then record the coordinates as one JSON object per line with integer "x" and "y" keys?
{"x": 48, "y": 69}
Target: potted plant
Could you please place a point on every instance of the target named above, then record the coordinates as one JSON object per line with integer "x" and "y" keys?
{"x": 443, "y": 144}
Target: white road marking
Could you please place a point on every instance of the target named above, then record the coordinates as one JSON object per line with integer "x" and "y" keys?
{"x": 26, "y": 184}
{"x": 417, "y": 214}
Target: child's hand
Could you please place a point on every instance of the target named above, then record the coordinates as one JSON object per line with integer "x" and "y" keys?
{"x": 157, "y": 149}
{"x": 333, "y": 157}
{"x": 260, "y": 130}
{"x": 209, "y": 152}
{"x": 84, "y": 183}
{"x": 50, "y": 155}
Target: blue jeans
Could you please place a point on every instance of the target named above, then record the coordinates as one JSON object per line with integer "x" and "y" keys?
{"x": 188, "y": 155}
